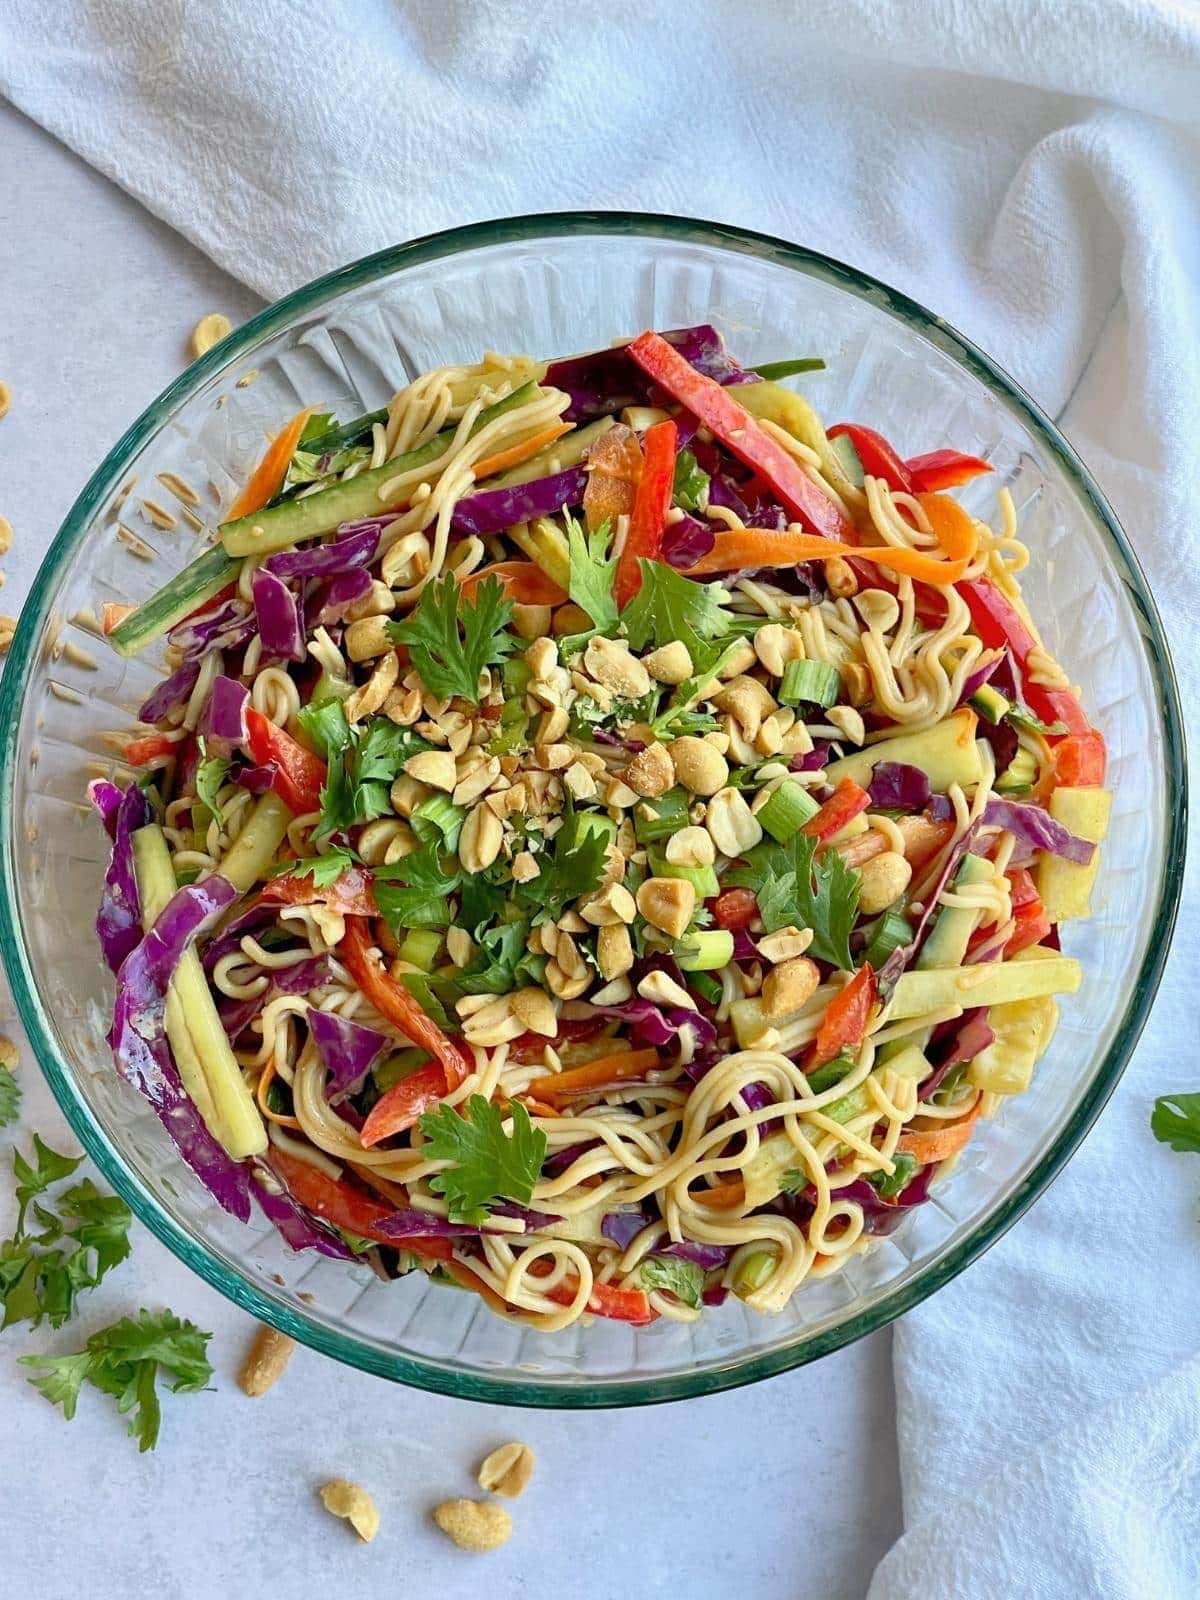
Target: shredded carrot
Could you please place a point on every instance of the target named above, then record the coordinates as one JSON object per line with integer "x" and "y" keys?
{"x": 516, "y": 453}
{"x": 113, "y": 615}
{"x": 524, "y": 581}
{"x": 600, "y": 1074}
{"x": 467, "y": 1279}
{"x": 939, "y": 1144}
{"x": 260, "y": 1094}
{"x": 538, "y": 1108}
{"x": 268, "y": 475}
{"x": 756, "y": 547}
{"x": 722, "y": 1196}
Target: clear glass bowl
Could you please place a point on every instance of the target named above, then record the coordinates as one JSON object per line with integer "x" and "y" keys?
{"x": 551, "y": 285}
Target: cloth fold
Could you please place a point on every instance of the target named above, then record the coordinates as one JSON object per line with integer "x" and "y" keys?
{"x": 1032, "y": 171}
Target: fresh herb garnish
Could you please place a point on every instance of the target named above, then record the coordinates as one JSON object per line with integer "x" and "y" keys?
{"x": 43, "y": 1268}
{"x": 590, "y": 584}
{"x": 669, "y": 606}
{"x": 411, "y": 892}
{"x": 10, "y": 1097}
{"x": 793, "y": 1181}
{"x": 324, "y": 869}
{"x": 210, "y": 775}
{"x": 795, "y": 887}
{"x": 691, "y": 483}
{"x": 326, "y": 726}
{"x": 123, "y": 1361}
{"x": 890, "y": 1184}
{"x": 1175, "y": 1120}
{"x": 362, "y": 769}
{"x": 573, "y": 867}
{"x": 683, "y": 1279}
{"x": 449, "y": 661}
{"x": 487, "y": 1164}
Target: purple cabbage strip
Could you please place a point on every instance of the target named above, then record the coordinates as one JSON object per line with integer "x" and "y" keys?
{"x": 278, "y": 613}
{"x": 171, "y": 692}
{"x": 352, "y": 550}
{"x": 494, "y": 510}
{"x": 656, "y": 1026}
{"x": 716, "y": 1295}
{"x": 895, "y": 786}
{"x": 298, "y": 1227}
{"x": 554, "y": 1166}
{"x": 257, "y": 779}
{"x": 139, "y": 1042}
{"x": 622, "y": 1227}
{"x": 331, "y": 603}
{"x": 256, "y": 915}
{"x": 965, "y": 1037}
{"x": 722, "y": 491}
{"x": 900, "y": 957}
{"x": 1002, "y": 738}
{"x": 685, "y": 541}
{"x": 1027, "y": 823}
{"x": 744, "y": 947}
{"x": 708, "y": 1256}
{"x": 302, "y": 976}
{"x": 409, "y": 1223}
{"x": 816, "y": 758}
{"x": 230, "y": 625}
{"x": 880, "y": 1215}
{"x": 237, "y": 1015}
{"x": 346, "y": 1049}
{"x": 223, "y": 724}
{"x": 988, "y": 665}
{"x": 119, "y": 918}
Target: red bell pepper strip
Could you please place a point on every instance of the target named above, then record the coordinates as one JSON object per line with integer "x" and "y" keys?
{"x": 529, "y": 1046}
{"x": 999, "y": 623}
{"x": 1080, "y": 760}
{"x": 847, "y": 801}
{"x": 151, "y": 745}
{"x": 1030, "y": 926}
{"x": 1022, "y": 890}
{"x": 352, "y": 894}
{"x": 739, "y": 432}
{"x": 876, "y": 454}
{"x": 346, "y": 1207}
{"x": 845, "y": 1021}
{"x": 734, "y": 909}
{"x": 650, "y": 506}
{"x": 608, "y": 1300}
{"x": 300, "y": 775}
{"x": 393, "y": 1001}
{"x": 944, "y": 469}
{"x": 400, "y": 1106}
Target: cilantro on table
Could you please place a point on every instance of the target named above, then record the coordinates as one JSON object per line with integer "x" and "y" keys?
{"x": 10, "y": 1097}
{"x": 797, "y": 888}
{"x": 669, "y": 606}
{"x": 487, "y": 1164}
{"x": 210, "y": 775}
{"x": 451, "y": 640}
{"x": 67, "y": 1249}
{"x": 691, "y": 483}
{"x": 684, "y": 1279}
{"x": 123, "y": 1360}
{"x": 592, "y": 570}
{"x": 1176, "y": 1121}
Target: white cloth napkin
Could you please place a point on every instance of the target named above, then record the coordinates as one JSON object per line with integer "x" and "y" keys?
{"x": 1033, "y": 172}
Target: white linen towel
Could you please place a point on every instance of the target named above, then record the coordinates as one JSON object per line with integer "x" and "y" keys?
{"x": 1030, "y": 169}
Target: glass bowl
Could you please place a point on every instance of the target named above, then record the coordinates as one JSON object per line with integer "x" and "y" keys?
{"x": 550, "y": 285}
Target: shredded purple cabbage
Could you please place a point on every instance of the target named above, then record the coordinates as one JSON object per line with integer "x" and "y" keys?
{"x": 622, "y": 1227}
{"x": 119, "y": 919}
{"x": 171, "y": 692}
{"x": 223, "y": 724}
{"x": 685, "y": 541}
{"x": 296, "y": 1226}
{"x": 1029, "y": 824}
{"x": 346, "y": 1049}
{"x": 493, "y": 510}
{"x": 257, "y": 779}
{"x": 985, "y": 669}
{"x": 603, "y": 381}
{"x": 963, "y": 1038}
{"x": 655, "y": 1025}
{"x": 815, "y": 759}
{"x": 278, "y": 611}
{"x": 708, "y": 1256}
{"x": 332, "y": 602}
{"x": 895, "y": 786}
{"x": 554, "y": 1166}
{"x": 352, "y": 550}
{"x": 225, "y": 628}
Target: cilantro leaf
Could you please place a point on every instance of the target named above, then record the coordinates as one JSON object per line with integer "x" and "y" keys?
{"x": 326, "y": 726}
{"x": 590, "y": 584}
{"x": 1176, "y": 1121}
{"x": 794, "y": 1181}
{"x": 411, "y": 892}
{"x": 670, "y": 606}
{"x": 573, "y": 868}
{"x": 684, "y": 1279}
{"x": 324, "y": 869}
{"x": 123, "y": 1361}
{"x": 447, "y": 663}
{"x": 797, "y": 888}
{"x": 432, "y": 993}
{"x": 363, "y": 764}
{"x": 50, "y": 1168}
{"x": 210, "y": 775}
{"x": 691, "y": 483}
{"x": 486, "y": 1163}
{"x": 10, "y": 1098}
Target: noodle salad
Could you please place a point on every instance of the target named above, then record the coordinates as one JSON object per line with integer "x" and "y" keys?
{"x": 602, "y": 837}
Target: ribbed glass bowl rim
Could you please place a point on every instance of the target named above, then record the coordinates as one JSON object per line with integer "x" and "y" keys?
{"x": 584, "y": 1391}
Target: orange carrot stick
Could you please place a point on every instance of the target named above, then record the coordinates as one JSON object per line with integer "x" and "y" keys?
{"x": 601, "y": 1074}
{"x": 516, "y": 453}
{"x": 939, "y": 1144}
{"x": 524, "y": 582}
{"x": 268, "y": 475}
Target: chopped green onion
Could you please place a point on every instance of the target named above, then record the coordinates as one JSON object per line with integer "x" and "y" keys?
{"x": 516, "y": 675}
{"x": 706, "y": 951}
{"x": 702, "y": 879}
{"x": 669, "y": 813}
{"x": 889, "y": 933}
{"x": 437, "y": 814}
{"x": 754, "y": 1271}
{"x": 788, "y": 808}
{"x": 889, "y": 1185}
{"x": 582, "y": 824}
{"x": 830, "y": 1074}
{"x": 420, "y": 947}
{"x": 707, "y": 987}
{"x": 810, "y": 683}
{"x": 773, "y": 370}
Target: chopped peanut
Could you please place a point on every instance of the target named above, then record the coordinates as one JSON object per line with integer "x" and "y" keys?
{"x": 474, "y": 1525}
{"x": 651, "y": 772}
{"x": 265, "y": 1361}
{"x": 787, "y": 987}
{"x": 507, "y": 1471}
{"x": 349, "y": 1500}
{"x": 667, "y": 903}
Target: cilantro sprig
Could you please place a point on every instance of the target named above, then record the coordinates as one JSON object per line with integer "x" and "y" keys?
{"x": 691, "y": 483}
{"x": 123, "y": 1361}
{"x": 210, "y": 775}
{"x": 70, "y": 1246}
{"x": 683, "y": 1279}
{"x": 363, "y": 763}
{"x": 670, "y": 606}
{"x": 10, "y": 1097}
{"x": 592, "y": 570}
{"x": 1176, "y": 1121}
{"x": 451, "y": 640}
{"x": 486, "y": 1164}
{"x": 795, "y": 887}
{"x": 411, "y": 893}
{"x": 572, "y": 867}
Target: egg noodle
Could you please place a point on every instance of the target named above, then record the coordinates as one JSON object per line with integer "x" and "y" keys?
{"x": 814, "y": 807}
